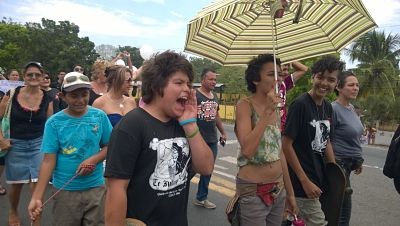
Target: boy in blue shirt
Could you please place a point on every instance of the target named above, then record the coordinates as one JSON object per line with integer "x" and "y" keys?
{"x": 75, "y": 144}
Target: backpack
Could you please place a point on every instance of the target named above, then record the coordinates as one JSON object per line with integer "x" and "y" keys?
{"x": 391, "y": 168}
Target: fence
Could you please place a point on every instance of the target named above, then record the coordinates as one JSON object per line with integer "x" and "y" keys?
{"x": 227, "y": 112}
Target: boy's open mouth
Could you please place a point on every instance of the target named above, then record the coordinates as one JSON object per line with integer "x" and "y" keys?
{"x": 182, "y": 100}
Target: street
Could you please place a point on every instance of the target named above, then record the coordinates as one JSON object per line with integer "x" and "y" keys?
{"x": 375, "y": 201}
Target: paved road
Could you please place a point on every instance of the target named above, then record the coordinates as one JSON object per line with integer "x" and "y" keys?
{"x": 375, "y": 201}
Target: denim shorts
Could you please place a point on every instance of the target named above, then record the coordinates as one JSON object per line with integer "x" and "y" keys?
{"x": 23, "y": 161}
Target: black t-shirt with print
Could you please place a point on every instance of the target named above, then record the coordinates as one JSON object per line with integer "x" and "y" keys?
{"x": 207, "y": 110}
{"x": 309, "y": 126}
{"x": 155, "y": 157}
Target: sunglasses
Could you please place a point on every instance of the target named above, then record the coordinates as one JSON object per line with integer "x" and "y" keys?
{"x": 47, "y": 78}
{"x": 78, "y": 69}
{"x": 74, "y": 78}
{"x": 36, "y": 75}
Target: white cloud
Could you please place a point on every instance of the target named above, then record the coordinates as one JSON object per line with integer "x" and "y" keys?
{"x": 386, "y": 16}
{"x": 155, "y": 1}
{"x": 176, "y": 14}
{"x": 94, "y": 20}
{"x": 384, "y": 12}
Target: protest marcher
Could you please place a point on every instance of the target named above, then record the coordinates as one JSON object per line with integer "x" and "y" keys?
{"x": 116, "y": 102}
{"x": 30, "y": 107}
{"x": 66, "y": 156}
{"x": 51, "y": 92}
{"x": 3, "y": 190}
{"x": 262, "y": 183}
{"x": 208, "y": 121}
{"x": 98, "y": 77}
{"x": 288, "y": 82}
{"x": 391, "y": 168}
{"x": 371, "y": 133}
{"x": 154, "y": 149}
{"x": 13, "y": 75}
{"x": 306, "y": 140}
{"x": 79, "y": 68}
{"x": 58, "y": 83}
{"x": 345, "y": 140}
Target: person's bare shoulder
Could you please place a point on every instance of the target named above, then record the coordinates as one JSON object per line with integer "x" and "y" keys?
{"x": 130, "y": 101}
{"x": 99, "y": 102}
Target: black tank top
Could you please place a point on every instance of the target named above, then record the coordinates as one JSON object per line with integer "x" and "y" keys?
{"x": 24, "y": 123}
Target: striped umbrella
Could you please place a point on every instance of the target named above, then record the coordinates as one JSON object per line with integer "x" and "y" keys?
{"x": 231, "y": 32}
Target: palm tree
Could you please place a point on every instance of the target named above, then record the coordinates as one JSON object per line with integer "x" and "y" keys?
{"x": 378, "y": 55}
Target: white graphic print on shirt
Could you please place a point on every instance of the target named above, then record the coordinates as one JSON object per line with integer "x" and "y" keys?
{"x": 171, "y": 168}
{"x": 322, "y": 129}
{"x": 207, "y": 110}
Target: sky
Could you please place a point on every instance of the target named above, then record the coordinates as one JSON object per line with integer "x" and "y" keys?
{"x": 155, "y": 25}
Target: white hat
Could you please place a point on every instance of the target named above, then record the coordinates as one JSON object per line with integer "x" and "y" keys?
{"x": 75, "y": 80}
{"x": 120, "y": 62}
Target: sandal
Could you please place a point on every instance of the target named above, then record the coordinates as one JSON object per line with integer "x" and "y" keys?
{"x": 3, "y": 190}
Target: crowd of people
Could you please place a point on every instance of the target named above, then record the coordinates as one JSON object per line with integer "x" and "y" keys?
{"x": 64, "y": 132}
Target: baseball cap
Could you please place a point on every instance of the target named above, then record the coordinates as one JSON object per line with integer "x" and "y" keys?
{"x": 35, "y": 64}
{"x": 75, "y": 80}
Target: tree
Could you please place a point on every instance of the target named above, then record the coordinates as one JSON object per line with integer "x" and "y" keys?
{"x": 233, "y": 78}
{"x": 106, "y": 52}
{"x": 56, "y": 46}
{"x": 200, "y": 63}
{"x": 136, "y": 59}
{"x": 13, "y": 45}
{"x": 378, "y": 55}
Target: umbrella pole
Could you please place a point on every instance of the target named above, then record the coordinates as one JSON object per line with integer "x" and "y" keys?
{"x": 273, "y": 24}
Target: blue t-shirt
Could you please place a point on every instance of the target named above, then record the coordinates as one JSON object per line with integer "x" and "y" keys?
{"x": 74, "y": 139}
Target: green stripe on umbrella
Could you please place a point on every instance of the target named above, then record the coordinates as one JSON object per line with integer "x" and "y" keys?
{"x": 231, "y": 32}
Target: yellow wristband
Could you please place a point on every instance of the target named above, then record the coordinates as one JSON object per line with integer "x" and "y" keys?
{"x": 193, "y": 134}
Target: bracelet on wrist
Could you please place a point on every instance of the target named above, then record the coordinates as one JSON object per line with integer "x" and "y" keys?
{"x": 196, "y": 131}
{"x": 187, "y": 121}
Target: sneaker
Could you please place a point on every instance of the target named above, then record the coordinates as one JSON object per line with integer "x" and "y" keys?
{"x": 206, "y": 204}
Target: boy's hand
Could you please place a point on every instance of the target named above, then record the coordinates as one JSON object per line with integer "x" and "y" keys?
{"x": 35, "y": 209}
{"x": 86, "y": 168}
{"x": 312, "y": 191}
{"x": 190, "y": 107}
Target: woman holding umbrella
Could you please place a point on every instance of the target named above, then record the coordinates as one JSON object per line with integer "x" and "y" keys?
{"x": 263, "y": 183}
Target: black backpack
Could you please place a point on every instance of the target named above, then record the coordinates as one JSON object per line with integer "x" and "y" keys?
{"x": 391, "y": 168}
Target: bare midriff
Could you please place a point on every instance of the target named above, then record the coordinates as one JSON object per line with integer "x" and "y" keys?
{"x": 265, "y": 173}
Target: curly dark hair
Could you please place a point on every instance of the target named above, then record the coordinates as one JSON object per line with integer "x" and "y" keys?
{"x": 252, "y": 73}
{"x": 157, "y": 70}
{"x": 327, "y": 63}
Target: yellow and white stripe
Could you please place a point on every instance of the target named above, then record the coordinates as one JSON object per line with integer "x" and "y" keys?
{"x": 231, "y": 32}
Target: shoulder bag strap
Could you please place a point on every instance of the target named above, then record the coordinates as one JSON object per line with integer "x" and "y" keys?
{"x": 7, "y": 113}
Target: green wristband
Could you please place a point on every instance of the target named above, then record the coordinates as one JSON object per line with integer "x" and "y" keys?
{"x": 193, "y": 134}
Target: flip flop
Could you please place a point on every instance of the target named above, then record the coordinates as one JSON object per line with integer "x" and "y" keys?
{"x": 3, "y": 191}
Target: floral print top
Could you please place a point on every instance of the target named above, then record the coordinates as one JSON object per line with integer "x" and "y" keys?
{"x": 269, "y": 148}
